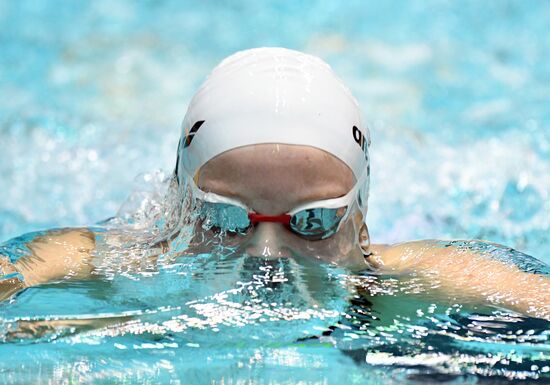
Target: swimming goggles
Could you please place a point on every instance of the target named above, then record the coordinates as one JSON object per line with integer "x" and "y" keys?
{"x": 312, "y": 221}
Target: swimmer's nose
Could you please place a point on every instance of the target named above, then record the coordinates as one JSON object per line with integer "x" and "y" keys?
{"x": 267, "y": 241}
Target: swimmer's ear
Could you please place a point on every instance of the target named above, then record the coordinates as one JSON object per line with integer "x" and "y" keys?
{"x": 364, "y": 240}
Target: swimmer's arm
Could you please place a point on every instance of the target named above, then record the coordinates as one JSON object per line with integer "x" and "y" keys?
{"x": 468, "y": 274}
{"x": 56, "y": 255}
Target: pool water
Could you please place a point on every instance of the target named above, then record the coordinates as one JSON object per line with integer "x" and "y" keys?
{"x": 224, "y": 317}
{"x": 456, "y": 94}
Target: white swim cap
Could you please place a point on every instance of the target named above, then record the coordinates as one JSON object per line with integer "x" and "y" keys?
{"x": 273, "y": 95}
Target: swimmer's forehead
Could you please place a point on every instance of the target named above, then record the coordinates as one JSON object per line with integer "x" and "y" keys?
{"x": 272, "y": 171}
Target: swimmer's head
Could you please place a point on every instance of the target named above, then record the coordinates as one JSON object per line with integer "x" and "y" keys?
{"x": 278, "y": 96}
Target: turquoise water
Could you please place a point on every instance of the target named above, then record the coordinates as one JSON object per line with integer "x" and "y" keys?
{"x": 92, "y": 94}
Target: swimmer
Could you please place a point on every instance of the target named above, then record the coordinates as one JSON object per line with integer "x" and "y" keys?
{"x": 275, "y": 149}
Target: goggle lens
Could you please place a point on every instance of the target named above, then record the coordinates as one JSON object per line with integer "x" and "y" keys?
{"x": 225, "y": 217}
{"x": 312, "y": 224}
{"x": 317, "y": 223}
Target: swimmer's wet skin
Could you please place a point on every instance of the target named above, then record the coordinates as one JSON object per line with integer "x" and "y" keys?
{"x": 271, "y": 143}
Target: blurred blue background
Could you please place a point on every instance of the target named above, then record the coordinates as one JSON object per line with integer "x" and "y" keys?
{"x": 456, "y": 94}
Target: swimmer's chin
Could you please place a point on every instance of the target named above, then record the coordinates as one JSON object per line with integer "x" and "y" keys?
{"x": 356, "y": 260}
{"x": 352, "y": 262}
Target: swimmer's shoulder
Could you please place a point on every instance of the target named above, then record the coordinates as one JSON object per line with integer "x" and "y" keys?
{"x": 429, "y": 253}
{"x": 471, "y": 269}
{"x": 54, "y": 254}
{"x": 451, "y": 256}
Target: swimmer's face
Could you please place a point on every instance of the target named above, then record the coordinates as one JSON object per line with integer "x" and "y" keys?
{"x": 273, "y": 179}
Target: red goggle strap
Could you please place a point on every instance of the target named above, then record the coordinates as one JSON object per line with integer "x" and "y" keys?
{"x": 283, "y": 218}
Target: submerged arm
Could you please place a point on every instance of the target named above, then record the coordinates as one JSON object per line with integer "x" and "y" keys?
{"x": 59, "y": 255}
{"x": 54, "y": 255}
{"x": 470, "y": 272}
